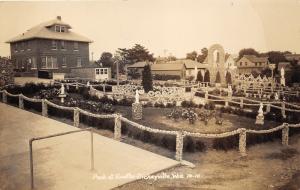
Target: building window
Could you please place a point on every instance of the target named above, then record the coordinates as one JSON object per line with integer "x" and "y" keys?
{"x": 97, "y": 71}
{"x": 54, "y": 44}
{"x": 59, "y": 28}
{"x": 49, "y": 62}
{"x": 62, "y": 43}
{"x": 105, "y": 71}
{"x": 64, "y": 62}
{"x": 255, "y": 64}
{"x": 75, "y": 45}
{"x": 101, "y": 71}
{"x": 78, "y": 62}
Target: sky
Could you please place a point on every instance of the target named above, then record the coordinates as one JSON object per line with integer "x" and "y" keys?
{"x": 164, "y": 27}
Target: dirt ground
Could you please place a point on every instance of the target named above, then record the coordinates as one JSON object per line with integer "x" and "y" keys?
{"x": 266, "y": 166}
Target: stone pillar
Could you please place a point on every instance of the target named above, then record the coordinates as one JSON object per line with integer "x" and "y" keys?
{"x": 283, "y": 109}
{"x": 268, "y": 108}
{"x": 226, "y": 103}
{"x": 137, "y": 111}
{"x": 76, "y": 119}
{"x": 21, "y": 101}
{"x": 243, "y": 142}
{"x": 4, "y": 97}
{"x": 44, "y": 108}
{"x": 103, "y": 88}
{"x": 242, "y": 103}
{"x": 285, "y": 135}
{"x": 118, "y": 128}
{"x": 179, "y": 146}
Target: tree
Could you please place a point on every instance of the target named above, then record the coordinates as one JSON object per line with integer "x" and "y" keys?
{"x": 248, "y": 51}
{"x": 201, "y": 57}
{"x": 147, "y": 78}
{"x": 266, "y": 72}
{"x": 218, "y": 77}
{"x": 199, "y": 76}
{"x": 192, "y": 55}
{"x": 228, "y": 78}
{"x": 206, "y": 77}
{"x": 135, "y": 54}
{"x": 106, "y": 59}
{"x": 171, "y": 58}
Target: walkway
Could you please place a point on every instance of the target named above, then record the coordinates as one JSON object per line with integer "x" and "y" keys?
{"x": 64, "y": 162}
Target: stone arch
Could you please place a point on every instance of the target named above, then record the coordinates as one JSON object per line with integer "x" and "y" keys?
{"x": 216, "y": 63}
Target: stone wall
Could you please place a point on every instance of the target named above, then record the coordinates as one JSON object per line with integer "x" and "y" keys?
{"x": 6, "y": 71}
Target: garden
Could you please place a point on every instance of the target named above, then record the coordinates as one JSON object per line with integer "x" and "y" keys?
{"x": 207, "y": 119}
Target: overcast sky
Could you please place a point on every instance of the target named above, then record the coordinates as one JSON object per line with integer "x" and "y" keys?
{"x": 164, "y": 26}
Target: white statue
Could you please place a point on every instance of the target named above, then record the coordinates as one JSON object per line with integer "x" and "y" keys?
{"x": 229, "y": 89}
{"x": 282, "y": 72}
{"x": 276, "y": 96}
{"x": 88, "y": 83}
{"x": 62, "y": 89}
{"x": 137, "y": 97}
{"x": 260, "y": 111}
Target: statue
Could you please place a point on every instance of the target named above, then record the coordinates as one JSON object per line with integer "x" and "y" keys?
{"x": 88, "y": 83}
{"x": 276, "y": 96}
{"x": 62, "y": 93}
{"x": 260, "y": 116}
{"x": 137, "y": 97}
{"x": 62, "y": 89}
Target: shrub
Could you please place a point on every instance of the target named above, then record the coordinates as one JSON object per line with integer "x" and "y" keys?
{"x": 210, "y": 106}
{"x": 36, "y": 106}
{"x": 226, "y": 143}
{"x": 99, "y": 123}
{"x": 13, "y": 100}
{"x": 253, "y": 138}
{"x": 147, "y": 78}
{"x": 52, "y": 111}
{"x": 188, "y": 104}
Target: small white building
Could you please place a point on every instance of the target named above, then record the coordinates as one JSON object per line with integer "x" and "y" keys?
{"x": 92, "y": 72}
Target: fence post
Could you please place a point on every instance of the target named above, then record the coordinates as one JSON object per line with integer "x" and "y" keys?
{"x": 103, "y": 87}
{"x": 285, "y": 135}
{"x": 242, "y": 103}
{"x": 77, "y": 87}
{"x": 226, "y": 102}
{"x": 76, "y": 117}
{"x": 206, "y": 96}
{"x": 4, "y": 97}
{"x": 21, "y": 101}
{"x": 268, "y": 108}
{"x": 44, "y": 108}
{"x": 118, "y": 127}
{"x": 243, "y": 142}
{"x": 179, "y": 146}
{"x": 283, "y": 109}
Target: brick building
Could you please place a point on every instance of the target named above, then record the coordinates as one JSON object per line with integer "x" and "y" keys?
{"x": 51, "y": 46}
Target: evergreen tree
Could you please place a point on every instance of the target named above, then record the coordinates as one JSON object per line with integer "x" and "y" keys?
{"x": 218, "y": 78}
{"x": 199, "y": 76}
{"x": 147, "y": 78}
{"x": 228, "y": 78}
{"x": 206, "y": 77}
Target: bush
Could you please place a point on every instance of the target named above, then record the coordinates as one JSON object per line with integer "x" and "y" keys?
{"x": 13, "y": 100}
{"x": 188, "y": 104}
{"x": 226, "y": 143}
{"x": 52, "y": 111}
{"x": 36, "y": 106}
{"x": 98, "y": 123}
{"x": 253, "y": 138}
{"x": 210, "y": 106}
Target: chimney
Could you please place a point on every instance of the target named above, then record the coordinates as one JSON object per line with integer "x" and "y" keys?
{"x": 58, "y": 17}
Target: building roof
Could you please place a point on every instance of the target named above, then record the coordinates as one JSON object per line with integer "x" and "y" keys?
{"x": 43, "y": 31}
{"x": 256, "y": 59}
{"x": 140, "y": 64}
{"x": 285, "y": 65}
{"x": 167, "y": 67}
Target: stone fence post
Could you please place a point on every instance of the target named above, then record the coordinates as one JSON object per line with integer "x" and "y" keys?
{"x": 241, "y": 103}
{"x": 283, "y": 109}
{"x": 44, "y": 108}
{"x": 243, "y": 142}
{"x": 118, "y": 128}
{"x": 76, "y": 119}
{"x": 268, "y": 108}
{"x": 4, "y": 97}
{"x": 179, "y": 146}
{"x": 103, "y": 87}
{"x": 285, "y": 135}
{"x": 21, "y": 101}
